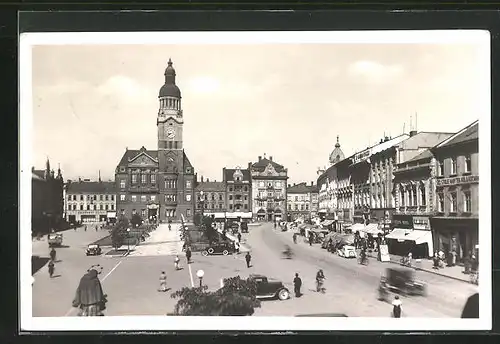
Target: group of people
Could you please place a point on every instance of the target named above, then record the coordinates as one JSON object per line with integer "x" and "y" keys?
{"x": 297, "y": 283}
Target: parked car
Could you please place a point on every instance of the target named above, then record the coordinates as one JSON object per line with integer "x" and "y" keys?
{"x": 55, "y": 239}
{"x": 347, "y": 251}
{"x": 93, "y": 250}
{"x": 219, "y": 248}
{"x": 267, "y": 288}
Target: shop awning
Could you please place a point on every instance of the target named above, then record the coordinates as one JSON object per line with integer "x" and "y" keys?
{"x": 371, "y": 228}
{"x": 357, "y": 227}
{"x": 397, "y": 234}
{"x": 326, "y": 223}
{"x": 111, "y": 215}
{"x": 419, "y": 236}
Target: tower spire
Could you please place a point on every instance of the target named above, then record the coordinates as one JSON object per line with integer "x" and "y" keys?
{"x": 99, "y": 176}
{"x": 337, "y": 144}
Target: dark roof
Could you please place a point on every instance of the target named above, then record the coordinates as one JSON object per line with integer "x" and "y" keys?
{"x": 228, "y": 174}
{"x": 469, "y": 133}
{"x": 35, "y": 176}
{"x": 130, "y": 153}
{"x": 301, "y": 188}
{"x": 169, "y": 90}
{"x": 210, "y": 186}
{"x": 91, "y": 187}
{"x": 264, "y": 162}
{"x": 187, "y": 163}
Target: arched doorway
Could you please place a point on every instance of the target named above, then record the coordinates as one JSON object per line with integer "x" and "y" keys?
{"x": 261, "y": 215}
{"x": 278, "y": 216}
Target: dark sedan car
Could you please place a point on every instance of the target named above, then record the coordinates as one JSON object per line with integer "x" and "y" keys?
{"x": 219, "y": 248}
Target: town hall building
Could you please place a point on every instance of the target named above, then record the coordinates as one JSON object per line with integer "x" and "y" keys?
{"x": 159, "y": 184}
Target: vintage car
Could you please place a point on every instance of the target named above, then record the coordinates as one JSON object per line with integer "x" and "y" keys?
{"x": 268, "y": 288}
{"x": 244, "y": 227}
{"x": 223, "y": 248}
{"x": 93, "y": 250}
{"x": 55, "y": 239}
{"x": 346, "y": 251}
{"x": 400, "y": 281}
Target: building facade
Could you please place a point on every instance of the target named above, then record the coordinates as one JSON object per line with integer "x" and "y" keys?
{"x": 238, "y": 183}
{"x": 47, "y": 200}
{"x": 455, "y": 224}
{"x": 90, "y": 202}
{"x": 159, "y": 184}
{"x": 269, "y": 181}
{"x": 300, "y": 201}
{"x": 211, "y": 198}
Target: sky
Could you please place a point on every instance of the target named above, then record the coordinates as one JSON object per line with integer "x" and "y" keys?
{"x": 289, "y": 101}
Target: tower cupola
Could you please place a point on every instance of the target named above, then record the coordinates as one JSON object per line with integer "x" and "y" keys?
{"x": 170, "y": 89}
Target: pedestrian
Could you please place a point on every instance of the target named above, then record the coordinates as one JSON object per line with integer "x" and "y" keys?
{"x": 85, "y": 228}
{"x": 169, "y": 227}
{"x": 294, "y": 238}
{"x": 163, "y": 282}
{"x": 297, "y": 284}
{"x": 237, "y": 247}
{"x": 396, "y": 307}
{"x": 453, "y": 258}
{"x": 188, "y": 255}
{"x": 275, "y": 224}
{"x": 467, "y": 263}
{"x": 248, "y": 258}
{"x": 96, "y": 228}
{"x": 311, "y": 238}
{"x": 435, "y": 260}
{"x": 89, "y": 297}
{"x": 239, "y": 237}
{"x": 53, "y": 255}
{"x": 176, "y": 262}
{"x": 51, "y": 269}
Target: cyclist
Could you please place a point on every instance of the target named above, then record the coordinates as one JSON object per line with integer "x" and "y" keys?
{"x": 320, "y": 278}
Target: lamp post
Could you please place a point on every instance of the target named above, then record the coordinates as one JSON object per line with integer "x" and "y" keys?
{"x": 201, "y": 203}
{"x": 128, "y": 239}
{"x": 200, "y": 274}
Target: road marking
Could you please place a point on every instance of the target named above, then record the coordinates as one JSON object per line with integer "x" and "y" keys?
{"x": 102, "y": 280}
{"x": 191, "y": 275}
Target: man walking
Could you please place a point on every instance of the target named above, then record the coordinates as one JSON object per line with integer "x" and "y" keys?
{"x": 248, "y": 258}
{"x": 176, "y": 262}
{"x": 239, "y": 237}
{"x": 297, "y": 284}
{"x": 188, "y": 255}
{"x": 163, "y": 282}
{"x": 396, "y": 307}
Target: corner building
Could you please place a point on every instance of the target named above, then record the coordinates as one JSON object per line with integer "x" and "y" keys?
{"x": 159, "y": 184}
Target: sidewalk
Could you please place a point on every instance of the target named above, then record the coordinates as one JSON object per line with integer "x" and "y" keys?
{"x": 454, "y": 272}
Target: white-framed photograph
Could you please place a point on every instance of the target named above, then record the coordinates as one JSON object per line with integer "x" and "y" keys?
{"x": 322, "y": 180}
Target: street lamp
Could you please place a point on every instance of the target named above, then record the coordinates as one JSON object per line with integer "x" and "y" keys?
{"x": 200, "y": 274}
{"x": 201, "y": 202}
{"x": 128, "y": 239}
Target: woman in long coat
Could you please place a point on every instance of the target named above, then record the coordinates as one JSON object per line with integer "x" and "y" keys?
{"x": 89, "y": 297}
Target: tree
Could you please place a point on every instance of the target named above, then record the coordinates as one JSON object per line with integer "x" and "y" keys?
{"x": 119, "y": 232}
{"x": 236, "y": 298}
{"x": 136, "y": 220}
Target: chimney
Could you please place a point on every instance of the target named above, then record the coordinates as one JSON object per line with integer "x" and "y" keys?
{"x": 293, "y": 184}
{"x": 312, "y": 183}
{"x": 207, "y": 180}
{"x": 289, "y": 185}
{"x": 260, "y": 158}
{"x": 413, "y": 133}
{"x": 79, "y": 179}
{"x": 32, "y": 168}
{"x": 249, "y": 165}
{"x": 271, "y": 157}
{"x": 202, "y": 179}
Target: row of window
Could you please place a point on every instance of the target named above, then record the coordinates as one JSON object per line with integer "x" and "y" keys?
{"x": 93, "y": 207}
{"x": 270, "y": 195}
{"x": 296, "y": 207}
{"x": 212, "y": 196}
{"x": 269, "y": 204}
{"x": 453, "y": 168}
{"x": 413, "y": 196}
{"x": 276, "y": 184}
{"x": 299, "y": 198}
{"x": 152, "y": 198}
{"x": 91, "y": 197}
{"x": 168, "y": 212}
{"x": 170, "y": 103}
{"x": 452, "y": 202}
{"x": 221, "y": 206}
{"x": 238, "y": 188}
{"x": 169, "y": 184}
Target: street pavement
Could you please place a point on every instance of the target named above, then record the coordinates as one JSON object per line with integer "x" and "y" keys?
{"x": 132, "y": 282}
{"x": 161, "y": 241}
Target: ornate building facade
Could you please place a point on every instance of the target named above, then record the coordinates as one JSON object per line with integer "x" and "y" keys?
{"x": 302, "y": 201}
{"x": 238, "y": 183}
{"x": 269, "y": 181}
{"x": 159, "y": 184}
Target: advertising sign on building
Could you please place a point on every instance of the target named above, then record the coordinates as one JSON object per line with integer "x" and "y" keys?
{"x": 457, "y": 180}
{"x": 421, "y": 223}
{"x": 384, "y": 253}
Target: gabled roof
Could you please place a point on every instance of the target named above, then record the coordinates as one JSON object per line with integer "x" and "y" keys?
{"x": 229, "y": 172}
{"x": 469, "y": 133}
{"x": 132, "y": 153}
{"x": 91, "y": 187}
{"x": 264, "y": 162}
{"x": 211, "y": 186}
{"x": 427, "y": 154}
{"x": 424, "y": 139}
{"x": 301, "y": 188}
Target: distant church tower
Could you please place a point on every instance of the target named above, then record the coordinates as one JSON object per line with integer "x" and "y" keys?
{"x": 336, "y": 155}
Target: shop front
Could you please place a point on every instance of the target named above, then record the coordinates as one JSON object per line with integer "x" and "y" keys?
{"x": 261, "y": 215}
{"x": 411, "y": 234}
{"x": 459, "y": 235}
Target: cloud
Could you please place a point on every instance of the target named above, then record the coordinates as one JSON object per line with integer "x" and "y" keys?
{"x": 375, "y": 72}
{"x": 123, "y": 86}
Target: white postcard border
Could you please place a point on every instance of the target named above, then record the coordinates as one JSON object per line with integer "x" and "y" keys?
{"x": 150, "y": 323}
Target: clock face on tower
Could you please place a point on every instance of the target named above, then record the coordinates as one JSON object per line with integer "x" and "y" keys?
{"x": 170, "y": 133}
